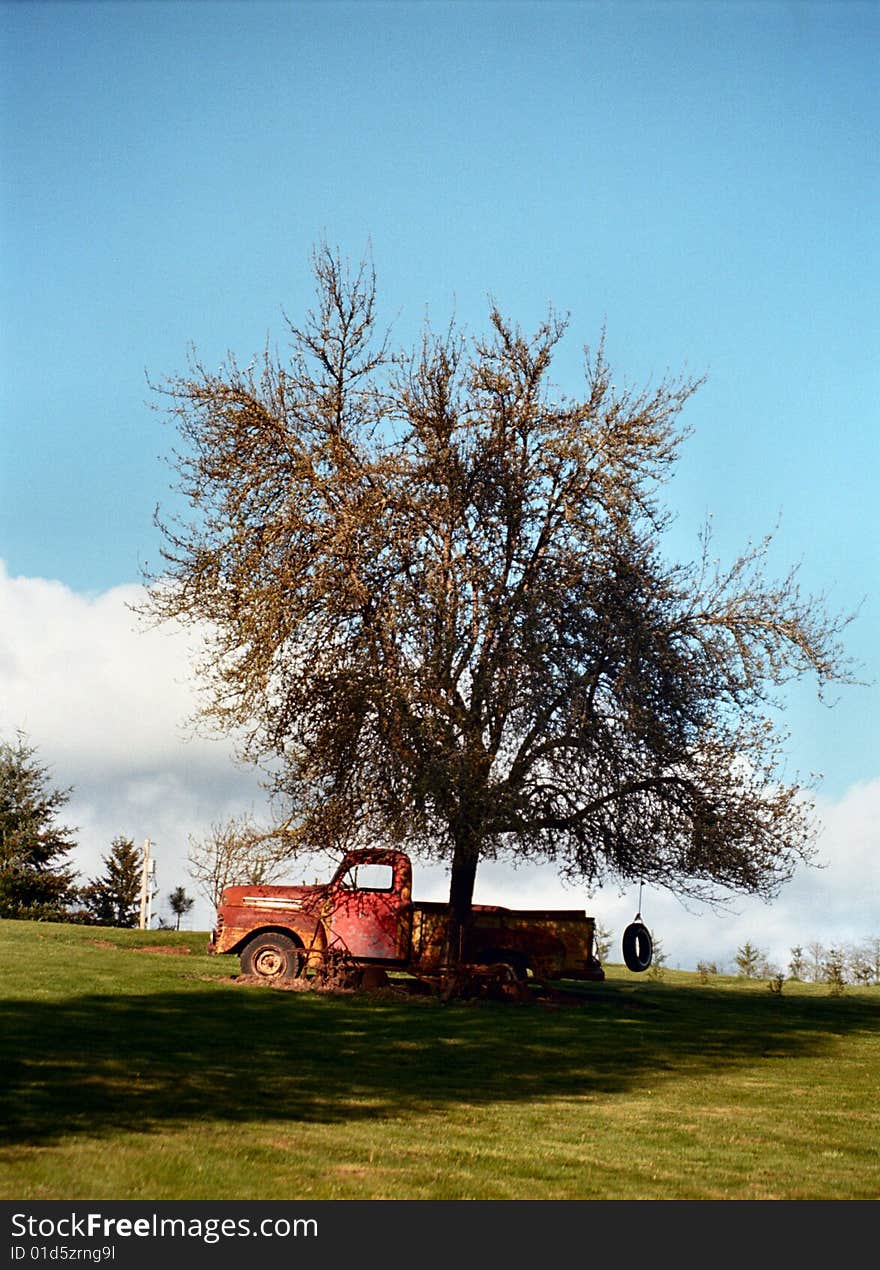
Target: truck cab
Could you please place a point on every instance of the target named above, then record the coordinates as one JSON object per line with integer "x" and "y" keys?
{"x": 365, "y": 911}
{"x": 370, "y": 906}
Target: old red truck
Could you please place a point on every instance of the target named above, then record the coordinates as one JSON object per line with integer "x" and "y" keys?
{"x": 366, "y": 914}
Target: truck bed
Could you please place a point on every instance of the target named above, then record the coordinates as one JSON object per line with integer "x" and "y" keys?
{"x": 553, "y": 943}
{"x": 540, "y": 914}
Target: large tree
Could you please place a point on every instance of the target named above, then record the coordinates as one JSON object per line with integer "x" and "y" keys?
{"x": 440, "y": 613}
{"x": 36, "y": 880}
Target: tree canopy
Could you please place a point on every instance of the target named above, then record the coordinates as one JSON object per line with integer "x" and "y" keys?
{"x": 35, "y": 879}
{"x": 440, "y": 614}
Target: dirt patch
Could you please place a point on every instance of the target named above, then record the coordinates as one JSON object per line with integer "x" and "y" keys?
{"x": 325, "y": 988}
{"x": 287, "y": 985}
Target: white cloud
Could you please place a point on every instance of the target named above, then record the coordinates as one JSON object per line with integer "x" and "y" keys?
{"x": 105, "y": 700}
{"x": 81, "y": 673}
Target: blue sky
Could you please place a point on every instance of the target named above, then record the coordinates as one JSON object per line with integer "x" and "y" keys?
{"x": 700, "y": 178}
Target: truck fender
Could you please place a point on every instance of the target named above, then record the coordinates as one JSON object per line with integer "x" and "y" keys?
{"x": 308, "y": 937}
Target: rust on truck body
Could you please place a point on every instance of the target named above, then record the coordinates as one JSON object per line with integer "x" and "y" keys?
{"x": 366, "y": 911}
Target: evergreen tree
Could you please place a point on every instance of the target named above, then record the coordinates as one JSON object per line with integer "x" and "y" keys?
{"x": 114, "y": 898}
{"x": 748, "y": 960}
{"x": 35, "y": 879}
{"x": 834, "y": 971}
{"x": 179, "y": 903}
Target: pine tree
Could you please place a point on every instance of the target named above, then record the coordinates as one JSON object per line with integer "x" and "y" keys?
{"x": 748, "y": 960}
{"x": 834, "y": 971}
{"x": 114, "y": 898}
{"x": 179, "y": 903}
{"x": 36, "y": 881}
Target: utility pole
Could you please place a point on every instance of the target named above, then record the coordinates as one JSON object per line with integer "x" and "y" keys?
{"x": 146, "y": 888}
{"x": 151, "y": 888}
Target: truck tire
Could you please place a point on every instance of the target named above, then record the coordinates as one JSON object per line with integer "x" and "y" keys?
{"x": 271, "y": 956}
{"x": 638, "y": 947}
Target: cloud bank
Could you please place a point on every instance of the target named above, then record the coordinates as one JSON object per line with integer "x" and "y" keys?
{"x": 106, "y": 701}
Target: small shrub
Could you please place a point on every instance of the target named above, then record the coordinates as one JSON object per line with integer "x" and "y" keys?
{"x": 658, "y": 962}
{"x": 705, "y": 969}
{"x": 602, "y": 939}
{"x": 835, "y": 972}
{"x": 797, "y": 966}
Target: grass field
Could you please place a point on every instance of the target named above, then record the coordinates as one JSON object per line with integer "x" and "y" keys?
{"x": 132, "y": 1066}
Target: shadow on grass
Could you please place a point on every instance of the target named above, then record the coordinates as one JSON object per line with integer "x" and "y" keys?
{"x": 108, "y": 1063}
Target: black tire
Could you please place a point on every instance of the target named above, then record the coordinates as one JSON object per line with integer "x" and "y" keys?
{"x": 271, "y": 956}
{"x": 638, "y": 947}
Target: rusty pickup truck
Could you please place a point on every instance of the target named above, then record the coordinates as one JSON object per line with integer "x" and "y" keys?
{"x": 366, "y": 915}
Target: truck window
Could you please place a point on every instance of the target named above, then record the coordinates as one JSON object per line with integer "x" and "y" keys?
{"x": 368, "y": 877}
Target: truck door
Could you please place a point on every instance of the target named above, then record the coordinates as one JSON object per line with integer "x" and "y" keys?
{"x": 371, "y": 916}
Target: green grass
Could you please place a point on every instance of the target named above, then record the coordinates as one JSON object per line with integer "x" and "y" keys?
{"x": 127, "y": 1074}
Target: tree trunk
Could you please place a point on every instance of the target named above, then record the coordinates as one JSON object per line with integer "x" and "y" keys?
{"x": 461, "y": 894}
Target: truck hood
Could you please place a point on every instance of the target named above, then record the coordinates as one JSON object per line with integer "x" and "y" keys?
{"x": 301, "y": 898}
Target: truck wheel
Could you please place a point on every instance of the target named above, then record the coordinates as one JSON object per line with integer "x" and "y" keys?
{"x": 638, "y": 947}
{"x": 271, "y": 956}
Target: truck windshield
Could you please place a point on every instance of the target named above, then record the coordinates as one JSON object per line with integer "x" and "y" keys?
{"x": 368, "y": 877}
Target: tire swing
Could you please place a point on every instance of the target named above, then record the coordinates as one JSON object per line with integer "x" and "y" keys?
{"x": 638, "y": 946}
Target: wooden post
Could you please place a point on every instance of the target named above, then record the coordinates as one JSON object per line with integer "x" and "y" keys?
{"x": 151, "y": 880}
{"x": 145, "y": 882}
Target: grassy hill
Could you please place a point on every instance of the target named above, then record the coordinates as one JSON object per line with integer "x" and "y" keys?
{"x": 135, "y": 1067}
